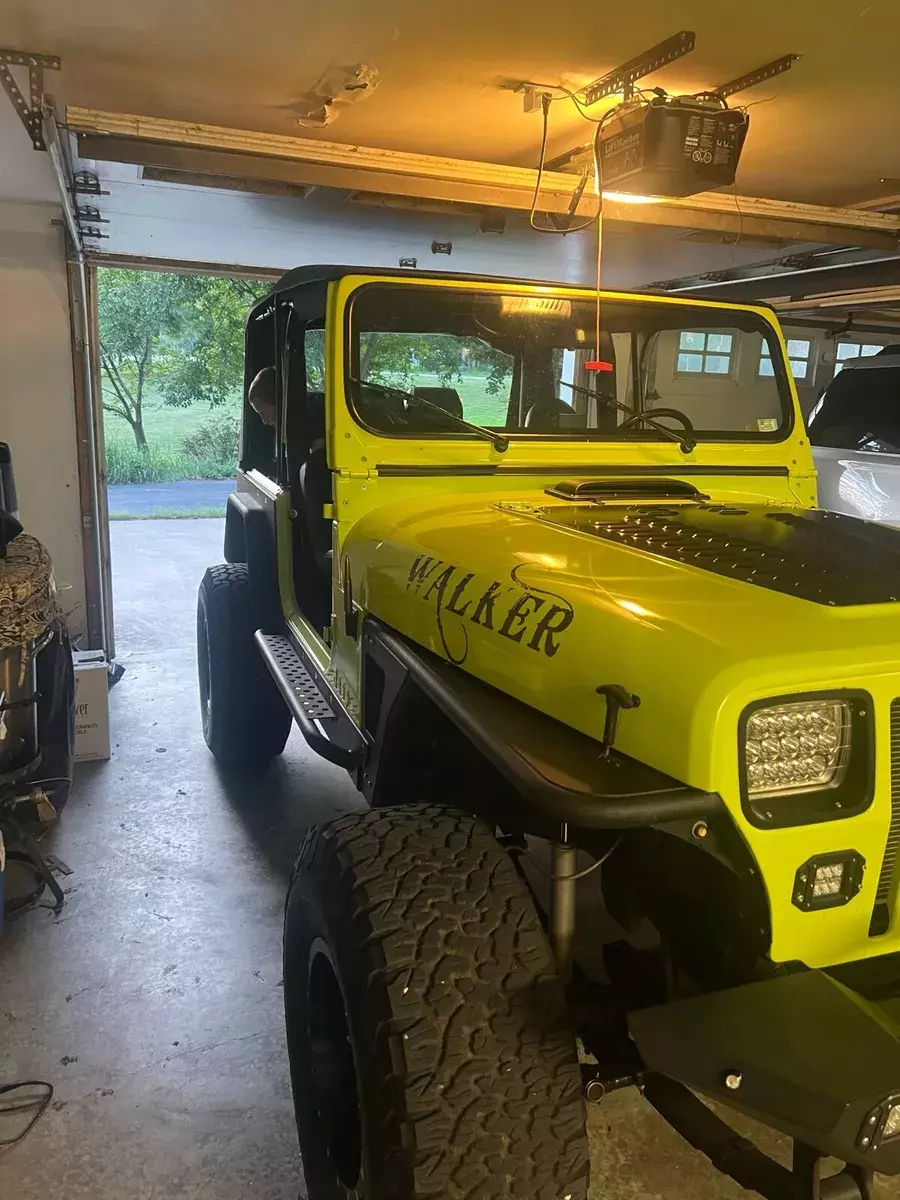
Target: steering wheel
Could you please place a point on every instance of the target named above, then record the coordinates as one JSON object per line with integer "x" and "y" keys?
{"x": 653, "y": 413}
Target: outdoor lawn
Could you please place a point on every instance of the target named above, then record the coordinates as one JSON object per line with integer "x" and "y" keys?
{"x": 173, "y": 432}
{"x": 173, "y": 436}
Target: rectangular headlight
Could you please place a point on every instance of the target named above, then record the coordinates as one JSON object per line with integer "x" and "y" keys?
{"x": 797, "y": 747}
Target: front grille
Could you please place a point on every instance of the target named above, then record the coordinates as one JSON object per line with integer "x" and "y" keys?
{"x": 881, "y": 913}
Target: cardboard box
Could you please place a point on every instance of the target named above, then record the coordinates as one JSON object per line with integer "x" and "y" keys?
{"x": 91, "y": 705}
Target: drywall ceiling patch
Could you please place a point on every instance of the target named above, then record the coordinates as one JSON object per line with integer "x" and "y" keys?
{"x": 336, "y": 87}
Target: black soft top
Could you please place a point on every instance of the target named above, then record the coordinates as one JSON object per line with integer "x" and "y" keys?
{"x": 319, "y": 273}
{"x": 326, "y": 273}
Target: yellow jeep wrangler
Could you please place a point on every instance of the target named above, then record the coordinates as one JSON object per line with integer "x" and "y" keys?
{"x": 544, "y": 572}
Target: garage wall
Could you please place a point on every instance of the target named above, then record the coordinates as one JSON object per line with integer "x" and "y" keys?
{"x": 824, "y": 343}
{"x": 742, "y": 393}
{"x": 37, "y": 404}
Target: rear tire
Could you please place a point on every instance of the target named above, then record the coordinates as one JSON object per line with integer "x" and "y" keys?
{"x": 245, "y": 720}
{"x": 431, "y": 1054}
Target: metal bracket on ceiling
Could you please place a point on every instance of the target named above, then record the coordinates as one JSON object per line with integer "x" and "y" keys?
{"x": 83, "y": 221}
{"x": 89, "y": 221}
{"x": 623, "y": 78}
{"x": 87, "y": 183}
{"x": 777, "y": 67}
{"x": 29, "y": 110}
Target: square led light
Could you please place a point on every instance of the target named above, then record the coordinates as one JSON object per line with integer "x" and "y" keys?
{"x": 798, "y": 747}
{"x": 827, "y": 881}
{"x": 891, "y": 1122}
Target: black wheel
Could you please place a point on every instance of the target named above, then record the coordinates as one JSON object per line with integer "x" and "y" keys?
{"x": 431, "y": 1054}
{"x": 245, "y": 720}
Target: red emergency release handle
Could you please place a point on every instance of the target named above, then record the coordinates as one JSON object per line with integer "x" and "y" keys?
{"x": 597, "y": 365}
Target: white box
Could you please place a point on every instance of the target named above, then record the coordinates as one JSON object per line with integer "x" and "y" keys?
{"x": 91, "y": 705}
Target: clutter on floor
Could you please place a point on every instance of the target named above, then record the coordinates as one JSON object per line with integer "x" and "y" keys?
{"x": 37, "y": 693}
{"x": 92, "y": 684}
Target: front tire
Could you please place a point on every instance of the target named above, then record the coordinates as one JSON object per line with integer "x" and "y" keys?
{"x": 245, "y": 720}
{"x": 429, "y": 1043}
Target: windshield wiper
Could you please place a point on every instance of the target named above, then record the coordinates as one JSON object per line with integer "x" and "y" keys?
{"x": 684, "y": 440}
{"x": 500, "y": 444}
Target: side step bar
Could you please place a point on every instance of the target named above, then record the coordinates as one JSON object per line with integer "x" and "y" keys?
{"x": 307, "y": 701}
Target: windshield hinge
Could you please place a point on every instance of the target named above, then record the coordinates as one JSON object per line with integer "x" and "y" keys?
{"x": 355, "y": 473}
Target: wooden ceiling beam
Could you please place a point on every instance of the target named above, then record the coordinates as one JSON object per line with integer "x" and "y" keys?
{"x": 213, "y": 149}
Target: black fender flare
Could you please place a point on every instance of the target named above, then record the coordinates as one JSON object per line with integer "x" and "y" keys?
{"x": 250, "y": 538}
{"x": 555, "y": 772}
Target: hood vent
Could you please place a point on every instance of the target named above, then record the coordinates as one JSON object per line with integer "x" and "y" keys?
{"x": 618, "y": 491}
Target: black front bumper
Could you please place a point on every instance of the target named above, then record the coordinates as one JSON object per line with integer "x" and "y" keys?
{"x": 802, "y": 1053}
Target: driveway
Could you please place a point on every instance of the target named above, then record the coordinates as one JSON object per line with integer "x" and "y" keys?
{"x": 187, "y": 495}
{"x": 157, "y": 567}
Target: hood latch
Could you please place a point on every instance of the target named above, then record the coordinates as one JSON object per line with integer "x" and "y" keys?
{"x": 617, "y": 698}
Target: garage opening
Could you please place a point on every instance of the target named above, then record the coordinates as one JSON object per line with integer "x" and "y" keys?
{"x": 170, "y": 348}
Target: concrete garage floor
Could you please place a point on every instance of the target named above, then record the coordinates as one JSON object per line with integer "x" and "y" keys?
{"x": 153, "y": 1002}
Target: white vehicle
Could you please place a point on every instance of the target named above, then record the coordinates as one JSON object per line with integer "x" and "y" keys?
{"x": 855, "y": 434}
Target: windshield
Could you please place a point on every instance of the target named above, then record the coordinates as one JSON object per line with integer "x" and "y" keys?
{"x": 522, "y": 364}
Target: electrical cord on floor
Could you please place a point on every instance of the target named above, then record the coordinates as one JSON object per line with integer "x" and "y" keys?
{"x": 11, "y": 1105}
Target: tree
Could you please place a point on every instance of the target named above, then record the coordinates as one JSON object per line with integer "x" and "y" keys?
{"x": 183, "y": 332}
{"x": 206, "y": 359}
{"x": 136, "y": 310}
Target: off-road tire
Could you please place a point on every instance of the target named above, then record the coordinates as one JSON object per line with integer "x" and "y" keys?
{"x": 464, "y": 1068}
{"x": 245, "y": 720}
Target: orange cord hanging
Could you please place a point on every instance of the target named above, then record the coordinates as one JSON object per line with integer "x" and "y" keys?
{"x": 598, "y": 364}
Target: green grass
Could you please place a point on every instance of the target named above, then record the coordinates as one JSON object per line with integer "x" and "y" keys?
{"x": 162, "y": 422}
{"x": 164, "y": 460}
{"x": 479, "y": 406}
{"x": 169, "y": 514}
{"x": 159, "y": 463}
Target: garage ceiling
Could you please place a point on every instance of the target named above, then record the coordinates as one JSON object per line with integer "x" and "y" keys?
{"x": 825, "y": 132}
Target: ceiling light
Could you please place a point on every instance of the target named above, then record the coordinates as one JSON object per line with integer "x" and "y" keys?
{"x": 627, "y": 198}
